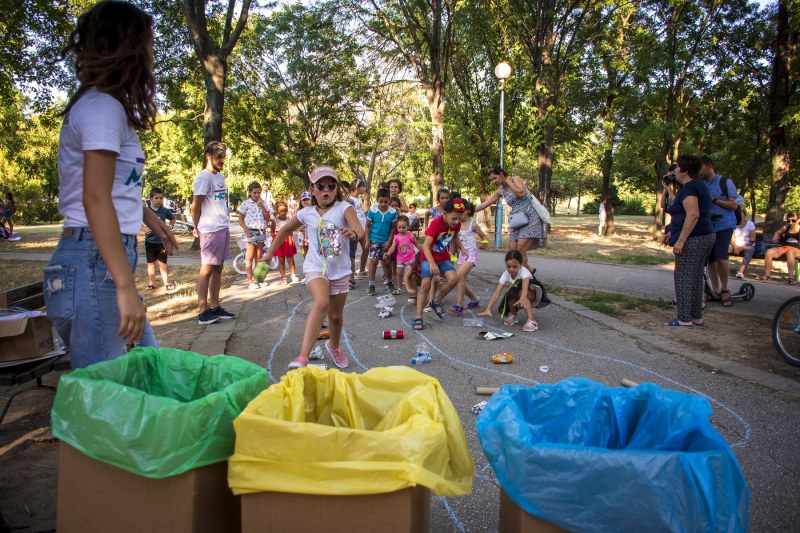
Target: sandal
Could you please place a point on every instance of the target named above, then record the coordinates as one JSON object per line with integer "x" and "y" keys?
{"x": 726, "y": 302}
{"x": 763, "y": 278}
{"x": 458, "y": 309}
{"x": 417, "y": 324}
{"x": 438, "y": 308}
{"x": 674, "y": 323}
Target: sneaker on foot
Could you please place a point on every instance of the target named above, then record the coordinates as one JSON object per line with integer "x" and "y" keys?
{"x": 412, "y": 300}
{"x": 371, "y": 290}
{"x": 338, "y": 356}
{"x": 299, "y": 362}
{"x": 397, "y": 291}
{"x": 510, "y": 320}
{"x": 222, "y": 313}
{"x": 207, "y": 317}
{"x": 390, "y": 287}
{"x": 254, "y": 285}
{"x": 530, "y": 325}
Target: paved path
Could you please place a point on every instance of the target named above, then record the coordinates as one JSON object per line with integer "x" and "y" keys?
{"x": 756, "y": 412}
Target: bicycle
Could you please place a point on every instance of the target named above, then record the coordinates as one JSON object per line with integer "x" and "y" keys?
{"x": 239, "y": 264}
{"x": 786, "y": 331}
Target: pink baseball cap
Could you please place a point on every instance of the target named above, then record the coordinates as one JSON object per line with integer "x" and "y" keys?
{"x": 322, "y": 172}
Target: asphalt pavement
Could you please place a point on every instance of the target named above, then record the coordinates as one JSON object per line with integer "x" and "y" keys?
{"x": 758, "y": 417}
{"x": 757, "y": 413}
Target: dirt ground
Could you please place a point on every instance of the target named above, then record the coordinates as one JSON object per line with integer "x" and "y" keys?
{"x": 29, "y": 454}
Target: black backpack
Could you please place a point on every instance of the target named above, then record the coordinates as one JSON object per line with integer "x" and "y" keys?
{"x": 723, "y": 187}
{"x": 512, "y": 295}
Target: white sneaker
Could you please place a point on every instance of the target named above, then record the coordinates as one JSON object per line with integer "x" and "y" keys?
{"x": 299, "y": 362}
{"x": 254, "y": 285}
{"x": 510, "y": 320}
{"x": 530, "y": 325}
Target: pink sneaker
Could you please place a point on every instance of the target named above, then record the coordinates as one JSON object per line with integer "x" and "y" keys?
{"x": 530, "y": 325}
{"x": 338, "y": 356}
{"x": 300, "y": 362}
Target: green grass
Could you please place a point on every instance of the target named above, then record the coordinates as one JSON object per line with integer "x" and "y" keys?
{"x": 611, "y": 304}
{"x": 618, "y": 259}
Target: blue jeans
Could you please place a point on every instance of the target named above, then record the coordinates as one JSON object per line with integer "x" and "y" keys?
{"x": 81, "y": 299}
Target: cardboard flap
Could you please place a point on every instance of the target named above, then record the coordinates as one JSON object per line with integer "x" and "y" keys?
{"x": 12, "y": 328}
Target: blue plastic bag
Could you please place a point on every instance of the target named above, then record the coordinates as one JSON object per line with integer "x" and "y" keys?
{"x": 592, "y": 458}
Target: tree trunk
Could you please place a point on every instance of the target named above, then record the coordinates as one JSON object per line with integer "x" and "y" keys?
{"x": 216, "y": 68}
{"x": 435, "y": 96}
{"x": 546, "y": 161}
{"x": 780, "y": 92}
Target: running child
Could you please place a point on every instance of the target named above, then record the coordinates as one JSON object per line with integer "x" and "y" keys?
{"x": 286, "y": 250}
{"x": 332, "y": 222}
{"x": 470, "y": 232}
{"x": 253, "y": 218}
{"x": 305, "y": 201}
{"x": 404, "y": 246}
{"x": 441, "y": 233}
{"x": 154, "y": 248}
{"x": 519, "y": 293}
{"x": 381, "y": 220}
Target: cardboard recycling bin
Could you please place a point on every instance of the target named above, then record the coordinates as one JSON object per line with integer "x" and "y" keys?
{"x": 325, "y": 450}
{"x": 144, "y": 442}
{"x": 586, "y": 457}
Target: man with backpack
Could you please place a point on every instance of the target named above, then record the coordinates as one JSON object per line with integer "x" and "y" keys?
{"x": 723, "y": 217}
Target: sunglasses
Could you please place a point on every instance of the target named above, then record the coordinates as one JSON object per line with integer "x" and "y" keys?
{"x": 792, "y": 220}
{"x": 323, "y": 186}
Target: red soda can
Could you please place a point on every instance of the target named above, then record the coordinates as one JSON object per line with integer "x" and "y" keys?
{"x": 393, "y": 334}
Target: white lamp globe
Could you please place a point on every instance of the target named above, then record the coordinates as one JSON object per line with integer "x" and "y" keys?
{"x": 502, "y": 70}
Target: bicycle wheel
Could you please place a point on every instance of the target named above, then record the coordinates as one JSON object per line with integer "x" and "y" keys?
{"x": 239, "y": 264}
{"x": 786, "y": 331}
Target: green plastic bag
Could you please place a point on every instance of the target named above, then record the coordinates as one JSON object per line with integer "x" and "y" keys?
{"x": 156, "y": 412}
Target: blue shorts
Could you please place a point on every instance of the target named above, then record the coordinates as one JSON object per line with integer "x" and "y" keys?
{"x": 259, "y": 236}
{"x": 720, "y": 249}
{"x": 81, "y": 298}
{"x": 444, "y": 266}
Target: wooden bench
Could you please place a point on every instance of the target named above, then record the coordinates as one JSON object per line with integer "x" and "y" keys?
{"x": 767, "y": 244}
{"x": 15, "y": 373}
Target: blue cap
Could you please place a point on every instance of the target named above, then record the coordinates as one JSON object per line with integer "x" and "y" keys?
{"x": 305, "y": 196}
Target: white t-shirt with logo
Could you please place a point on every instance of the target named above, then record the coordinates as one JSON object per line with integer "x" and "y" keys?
{"x": 214, "y": 214}
{"x": 97, "y": 121}
{"x": 328, "y": 249}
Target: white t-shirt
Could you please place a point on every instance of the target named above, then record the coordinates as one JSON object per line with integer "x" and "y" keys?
{"x": 253, "y": 217}
{"x": 358, "y": 205}
{"x": 523, "y": 273}
{"x": 335, "y": 246}
{"x": 97, "y": 121}
{"x": 214, "y": 215}
{"x": 741, "y": 236}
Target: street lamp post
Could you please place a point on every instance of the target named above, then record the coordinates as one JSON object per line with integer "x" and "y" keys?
{"x": 503, "y": 72}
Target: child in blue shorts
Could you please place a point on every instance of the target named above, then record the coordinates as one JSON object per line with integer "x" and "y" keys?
{"x": 441, "y": 233}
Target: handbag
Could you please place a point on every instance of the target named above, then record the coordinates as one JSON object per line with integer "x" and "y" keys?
{"x": 541, "y": 210}
{"x": 517, "y": 220}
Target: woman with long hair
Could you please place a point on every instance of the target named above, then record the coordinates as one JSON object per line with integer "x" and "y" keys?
{"x": 89, "y": 285}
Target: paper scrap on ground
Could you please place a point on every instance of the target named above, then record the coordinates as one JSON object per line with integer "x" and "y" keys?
{"x": 490, "y": 336}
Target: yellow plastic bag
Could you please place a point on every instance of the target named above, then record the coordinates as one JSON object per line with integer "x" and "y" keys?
{"x": 327, "y": 432}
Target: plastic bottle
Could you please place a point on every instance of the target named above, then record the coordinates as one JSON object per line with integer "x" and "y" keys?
{"x": 423, "y": 354}
{"x": 316, "y": 353}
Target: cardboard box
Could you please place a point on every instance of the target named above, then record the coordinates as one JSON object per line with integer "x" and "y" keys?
{"x": 403, "y": 511}
{"x": 25, "y": 338}
{"x": 97, "y": 497}
{"x": 513, "y": 519}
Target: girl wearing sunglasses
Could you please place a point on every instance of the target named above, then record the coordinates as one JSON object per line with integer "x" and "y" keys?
{"x": 331, "y": 223}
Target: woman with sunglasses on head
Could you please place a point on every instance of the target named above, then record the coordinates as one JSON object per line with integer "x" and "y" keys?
{"x": 331, "y": 223}
{"x": 89, "y": 286}
{"x": 788, "y": 238}
{"x": 516, "y": 194}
